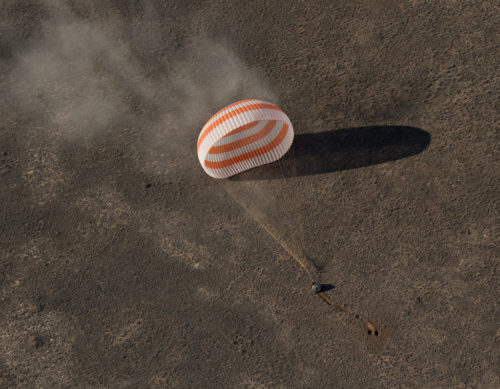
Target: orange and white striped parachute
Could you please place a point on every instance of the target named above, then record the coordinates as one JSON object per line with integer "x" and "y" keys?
{"x": 243, "y": 135}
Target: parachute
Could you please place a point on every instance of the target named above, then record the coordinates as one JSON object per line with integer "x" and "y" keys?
{"x": 243, "y": 135}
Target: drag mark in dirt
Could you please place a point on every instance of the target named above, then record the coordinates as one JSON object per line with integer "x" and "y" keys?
{"x": 308, "y": 266}
{"x": 370, "y": 328}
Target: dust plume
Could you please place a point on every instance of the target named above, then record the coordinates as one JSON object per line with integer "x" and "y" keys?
{"x": 84, "y": 79}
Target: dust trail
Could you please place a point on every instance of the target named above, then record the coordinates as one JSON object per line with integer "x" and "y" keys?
{"x": 80, "y": 78}
{"x": 85, "y": 77}
{"x": 77, "y": 77}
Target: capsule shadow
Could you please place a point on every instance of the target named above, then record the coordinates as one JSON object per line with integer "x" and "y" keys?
{"x": 344, "y": 149}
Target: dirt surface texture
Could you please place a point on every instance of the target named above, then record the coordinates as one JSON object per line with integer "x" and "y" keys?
{"x": 123, "y": 265}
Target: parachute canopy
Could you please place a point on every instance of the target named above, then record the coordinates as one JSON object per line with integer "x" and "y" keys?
{"x": 243, "y": 135}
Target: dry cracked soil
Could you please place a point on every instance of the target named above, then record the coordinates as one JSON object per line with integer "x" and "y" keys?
{"x": 123, "y": 265}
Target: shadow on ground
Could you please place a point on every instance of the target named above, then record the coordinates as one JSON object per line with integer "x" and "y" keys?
{"x": 344, "y": 149}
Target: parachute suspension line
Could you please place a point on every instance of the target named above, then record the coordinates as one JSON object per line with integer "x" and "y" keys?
{"x": 305, "y": 265}
{"x": 289, "y": 165}
{"x": 296, "y": 199}
{"x": 310, "y": 268}
{"x": 293, "y": 163}
{"x": 300, "y": 246}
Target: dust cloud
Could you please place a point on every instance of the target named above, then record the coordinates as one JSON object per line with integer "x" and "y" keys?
{"x": 84, "y": 78}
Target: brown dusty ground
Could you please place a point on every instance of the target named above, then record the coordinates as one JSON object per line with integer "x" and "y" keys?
{"x": 123, "y": 265}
